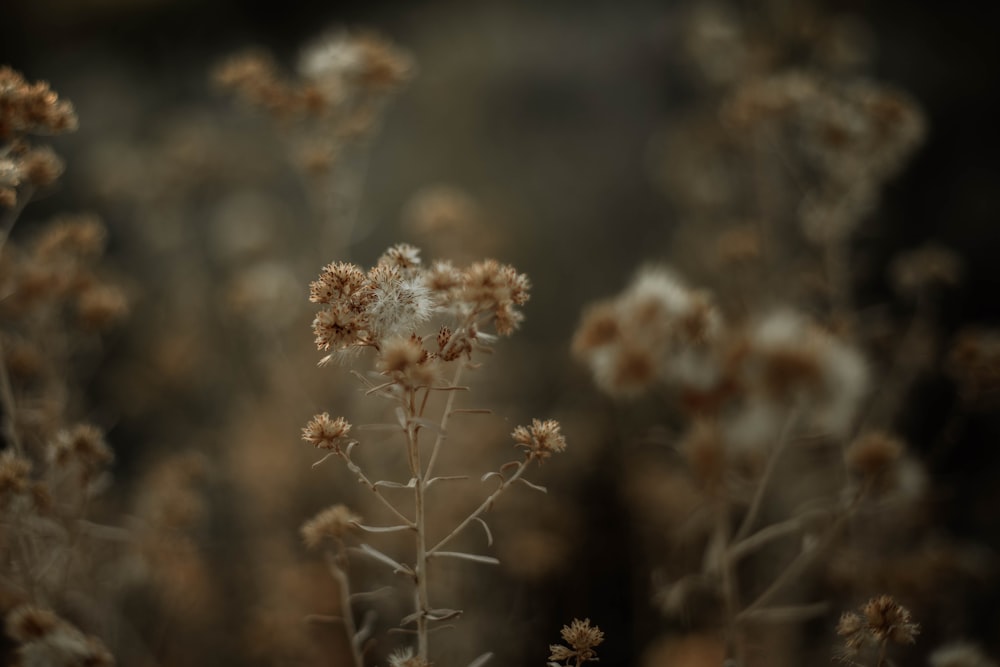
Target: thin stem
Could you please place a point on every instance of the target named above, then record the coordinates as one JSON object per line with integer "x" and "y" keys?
{"x": 9, "y": 406}
{"x": 421, "y": 594}
{"x": 881, "y": 653}
{"x": 7, "y": 221}
{"x": 838, "y": 278}
{"x": 772, "y": 463}
{"x": 764, "y": 536}
{"x": 730, "y": 592}
{"x": 347, "y": 617}
{"x": 486, "y": 504}
{"x": 374, "y": 489}
{"x": 785, "y": 614}
{"x": 444, "y": 421}
{"x": 804, "y": 558}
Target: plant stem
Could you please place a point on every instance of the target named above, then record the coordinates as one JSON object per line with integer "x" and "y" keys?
{"x": 444, "y": 421}
{"x": 485, "y": 505}
{"x": 422, "y": 601}
{"x": 347, "y": 616}
{"x": 772, "y": 462}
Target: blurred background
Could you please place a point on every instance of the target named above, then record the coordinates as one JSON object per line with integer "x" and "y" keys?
{"x": 560, "y": 122}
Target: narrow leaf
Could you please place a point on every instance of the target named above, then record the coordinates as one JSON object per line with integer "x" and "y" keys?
{"x": 324, "y": 459}
{"x": 481, "y": 660}
{"x": 396, "y": 485}
{"x": 489, "y": 560}
{"x": 536, "y": 487}
{"x": 489, "y": 475}
{"x": 450, "y": 478}
{"x": 376, "y": 594}
{"x": 489, "y": 535}
{"x": 472, "y": 411}
{"x": 432, "y": 615}
{"x": 371, "y": 551}
{"x": 379, "y": 529}
{"x": 426, "y": 423}
{"x": 379, "y": 388}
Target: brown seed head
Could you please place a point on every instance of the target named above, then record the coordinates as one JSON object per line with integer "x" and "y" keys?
{"x": 333, "y": 523}
{"x": 101, "y": 306}
{"x": 29, "y": 623}
{"x": 582, "y": 638}
{"x": 599, "y": 327}
{"x": 326, "y": 433}
{"x": 890, "y": 621}
{"x": 873, "y": 453}
{"x": 15, "y": 474}
{"x": 541, "y": 439}
{"x": 41, "y": 167}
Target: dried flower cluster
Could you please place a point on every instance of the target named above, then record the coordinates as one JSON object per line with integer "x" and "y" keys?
{"x": 46, "y": 640}
{"x": 335, "y": 71}
{"x": 393, "y": 309}
{"x": 52, "y": 466}
{"x": 541, "y": 439}
{"x": 28, "y": 109}
{"x": 882, "y": 620}
{"x": 385, "y": 306}
{"x": 852, "y": 135}
{"x": 660, "y": 332}
{"x": 582, "y": 638}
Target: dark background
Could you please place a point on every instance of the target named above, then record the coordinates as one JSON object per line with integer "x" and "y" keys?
{"x": 544, "y": 111}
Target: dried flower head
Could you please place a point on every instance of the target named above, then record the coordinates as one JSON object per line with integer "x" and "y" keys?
{"x": 890, "y": 621}
{"x": 101, "y": 306}
{"x": 881, "y": 620}
{"x": 31, "y": 108}
{"x": 582, "y": 638}
{"x": 254, "y": 77}
{"x": 326, "y": 433}
{"x": 15, "y": 474}
{"x": 657, "y": 330}
{"x": 873, "y": 453}
{"x": 342, "y": 62}
{"x": 399, "y": 304}
{"x": 82, "y": 445}
{"x": 333, "y": 523}
{"x": 405, "y": 658}
{"x": 930, "y": 265}
{"x": 402, "y": 256}
{"x": 338, "y": 281}
{"x": 974, "y": 362}
{"x": 47, "y": 640}
{"x": 541, "y": 439}
{"x": 29, "y": 623}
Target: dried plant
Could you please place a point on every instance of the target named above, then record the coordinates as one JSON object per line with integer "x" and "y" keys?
{"x": 387, "y": 310}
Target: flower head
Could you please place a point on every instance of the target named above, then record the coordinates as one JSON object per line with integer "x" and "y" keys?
{"x": 326, "y": 433}
{"x": 582, "y": 638}
{"x": 541, "y": 439}
{"x": 333, "y": 522}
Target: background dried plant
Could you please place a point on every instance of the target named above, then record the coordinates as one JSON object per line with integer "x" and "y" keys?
{"x": 578, "y": 145}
